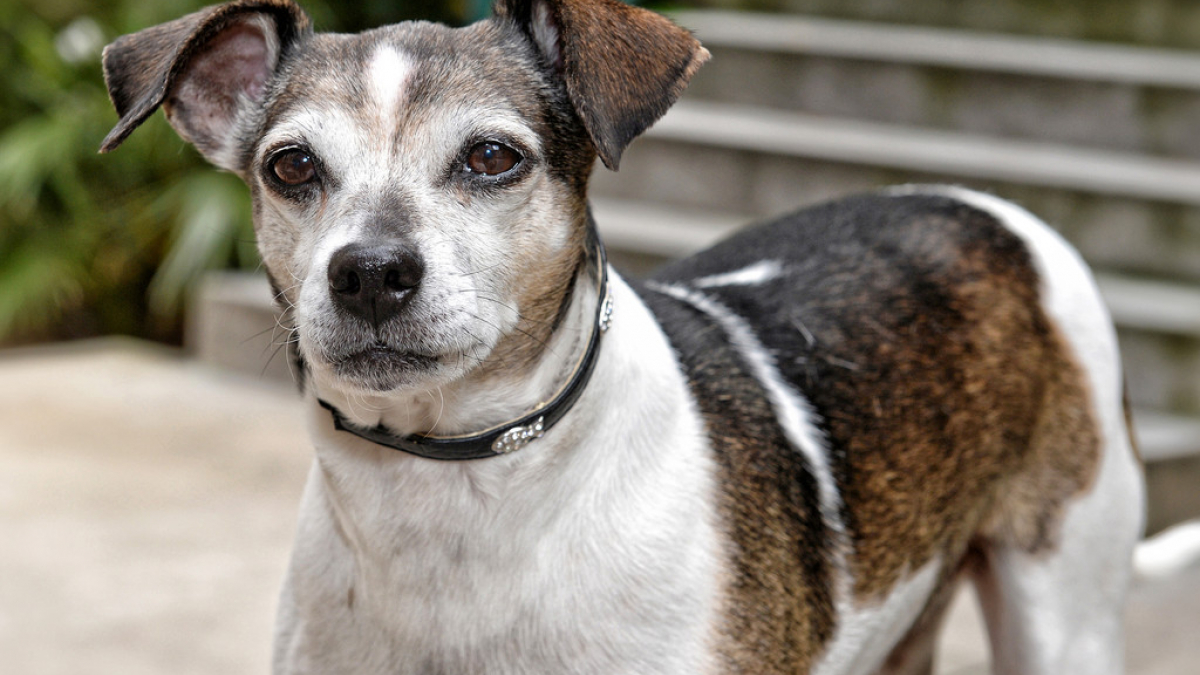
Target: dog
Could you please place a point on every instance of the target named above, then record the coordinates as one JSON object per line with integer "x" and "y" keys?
{"x": 776, "y": 457}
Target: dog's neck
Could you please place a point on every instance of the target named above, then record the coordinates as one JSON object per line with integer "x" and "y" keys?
{"x": 427, "y": 539}
{"x": 484, "y": 417}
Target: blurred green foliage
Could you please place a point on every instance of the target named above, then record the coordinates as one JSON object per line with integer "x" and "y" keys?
{"x": 93, "y": 244}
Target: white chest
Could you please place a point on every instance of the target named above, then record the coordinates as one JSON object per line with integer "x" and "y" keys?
{"x": 593, "y": 550}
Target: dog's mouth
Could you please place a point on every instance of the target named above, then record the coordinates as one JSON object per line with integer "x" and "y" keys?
{"x": 381, "y": 368}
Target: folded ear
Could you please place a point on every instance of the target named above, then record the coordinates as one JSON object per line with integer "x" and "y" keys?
{"x": 623, "y": 66}
{"x": 206, "y": 70}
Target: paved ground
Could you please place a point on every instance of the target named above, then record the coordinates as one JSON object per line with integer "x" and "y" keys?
{"x": 146, "y": 511}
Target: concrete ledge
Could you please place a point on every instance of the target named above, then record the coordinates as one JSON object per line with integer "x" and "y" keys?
{"x": 945, "y": 48}
{"x": 660, "y": 230}
{"x": 1152, "y": 305}
{"x": 759, "y": 130}
{"x": 1165, "y": 437}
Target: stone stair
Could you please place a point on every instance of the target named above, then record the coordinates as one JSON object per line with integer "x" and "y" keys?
{"x": 1099, "y": 95}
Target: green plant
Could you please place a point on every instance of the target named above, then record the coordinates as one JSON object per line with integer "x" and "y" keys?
{"x": 90, "y": 244}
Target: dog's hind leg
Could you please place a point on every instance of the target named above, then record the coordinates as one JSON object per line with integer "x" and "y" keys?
{"x": 914, "y": 654}
{"x": 1058, "y": 610}
{"x": 1053, "y": 579}
{"x": 1058, "y": 550}
{"x": 1054, "y": 576}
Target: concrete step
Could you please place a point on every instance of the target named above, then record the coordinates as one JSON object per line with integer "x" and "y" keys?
{"x": 762, "y": 130}
{"x": 944, "y": 47}
{"x": 1153, "y": 306}
{"x": 1091, "y": 94}
{"x": 1166, "y": 24}
{"x": 1170, "y": 446}
{"x": 1159, "y": 330}
{"x": 232, "y": 322}
{"x": 642, "y": 235}
{"x": 1124, "y": 211}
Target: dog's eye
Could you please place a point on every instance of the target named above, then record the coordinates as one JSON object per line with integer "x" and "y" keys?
{"x": 492, "y": 159}
{"x": 294, "y": 167}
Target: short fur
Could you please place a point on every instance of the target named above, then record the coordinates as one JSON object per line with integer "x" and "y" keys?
{"x": 792, "y": 445}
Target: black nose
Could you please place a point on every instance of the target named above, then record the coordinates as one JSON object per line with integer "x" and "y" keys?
{"x": 374, "y": 281}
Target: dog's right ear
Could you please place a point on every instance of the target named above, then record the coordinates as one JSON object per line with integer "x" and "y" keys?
{"x": 623, "y": 66}
{"x": 206, "y": 70}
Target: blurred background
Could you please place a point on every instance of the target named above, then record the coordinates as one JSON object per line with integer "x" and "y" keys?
{"x": 1086, "y": 112}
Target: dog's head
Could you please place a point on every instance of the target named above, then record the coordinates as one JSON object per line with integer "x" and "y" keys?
{"x": 419, "y": 191}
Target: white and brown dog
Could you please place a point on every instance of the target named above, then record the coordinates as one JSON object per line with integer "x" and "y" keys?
{"x": 775, "y": 457}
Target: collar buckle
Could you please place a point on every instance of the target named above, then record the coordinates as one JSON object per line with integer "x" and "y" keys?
{"x": 519, "y": 436}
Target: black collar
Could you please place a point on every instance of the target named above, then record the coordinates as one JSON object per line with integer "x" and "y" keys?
{"x": 510, "y": 436}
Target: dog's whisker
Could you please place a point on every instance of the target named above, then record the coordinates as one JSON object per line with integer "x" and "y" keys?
{"x": 521, "y": 318}
{"x": 279, "y": 348}
{"x": 481, "y": 270}
{"x": 441, "y": 407}
{"x": 543, "y": 343}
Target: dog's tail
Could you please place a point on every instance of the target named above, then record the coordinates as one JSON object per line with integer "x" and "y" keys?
{"x": 1169, "y": 552}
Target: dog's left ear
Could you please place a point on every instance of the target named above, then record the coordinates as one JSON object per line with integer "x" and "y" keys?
{"x": 623, "y": 66}
{"x": 205, "y": 69}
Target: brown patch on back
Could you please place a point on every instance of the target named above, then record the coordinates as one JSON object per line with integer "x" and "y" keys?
{"x": 950, "y": 400}
{"x": 1062, "y": 463}
{"x": 951, "y": 405}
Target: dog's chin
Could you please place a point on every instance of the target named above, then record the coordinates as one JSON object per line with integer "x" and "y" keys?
{"x": 380, "y": 370}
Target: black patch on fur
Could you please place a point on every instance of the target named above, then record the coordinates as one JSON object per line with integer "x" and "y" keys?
{"x": 781, "y": 589}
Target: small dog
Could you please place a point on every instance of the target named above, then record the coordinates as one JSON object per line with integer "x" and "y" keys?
{"x": 778, "y": 456}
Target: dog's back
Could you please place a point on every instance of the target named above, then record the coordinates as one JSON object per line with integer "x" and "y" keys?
{"x": 910, "y": 385}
